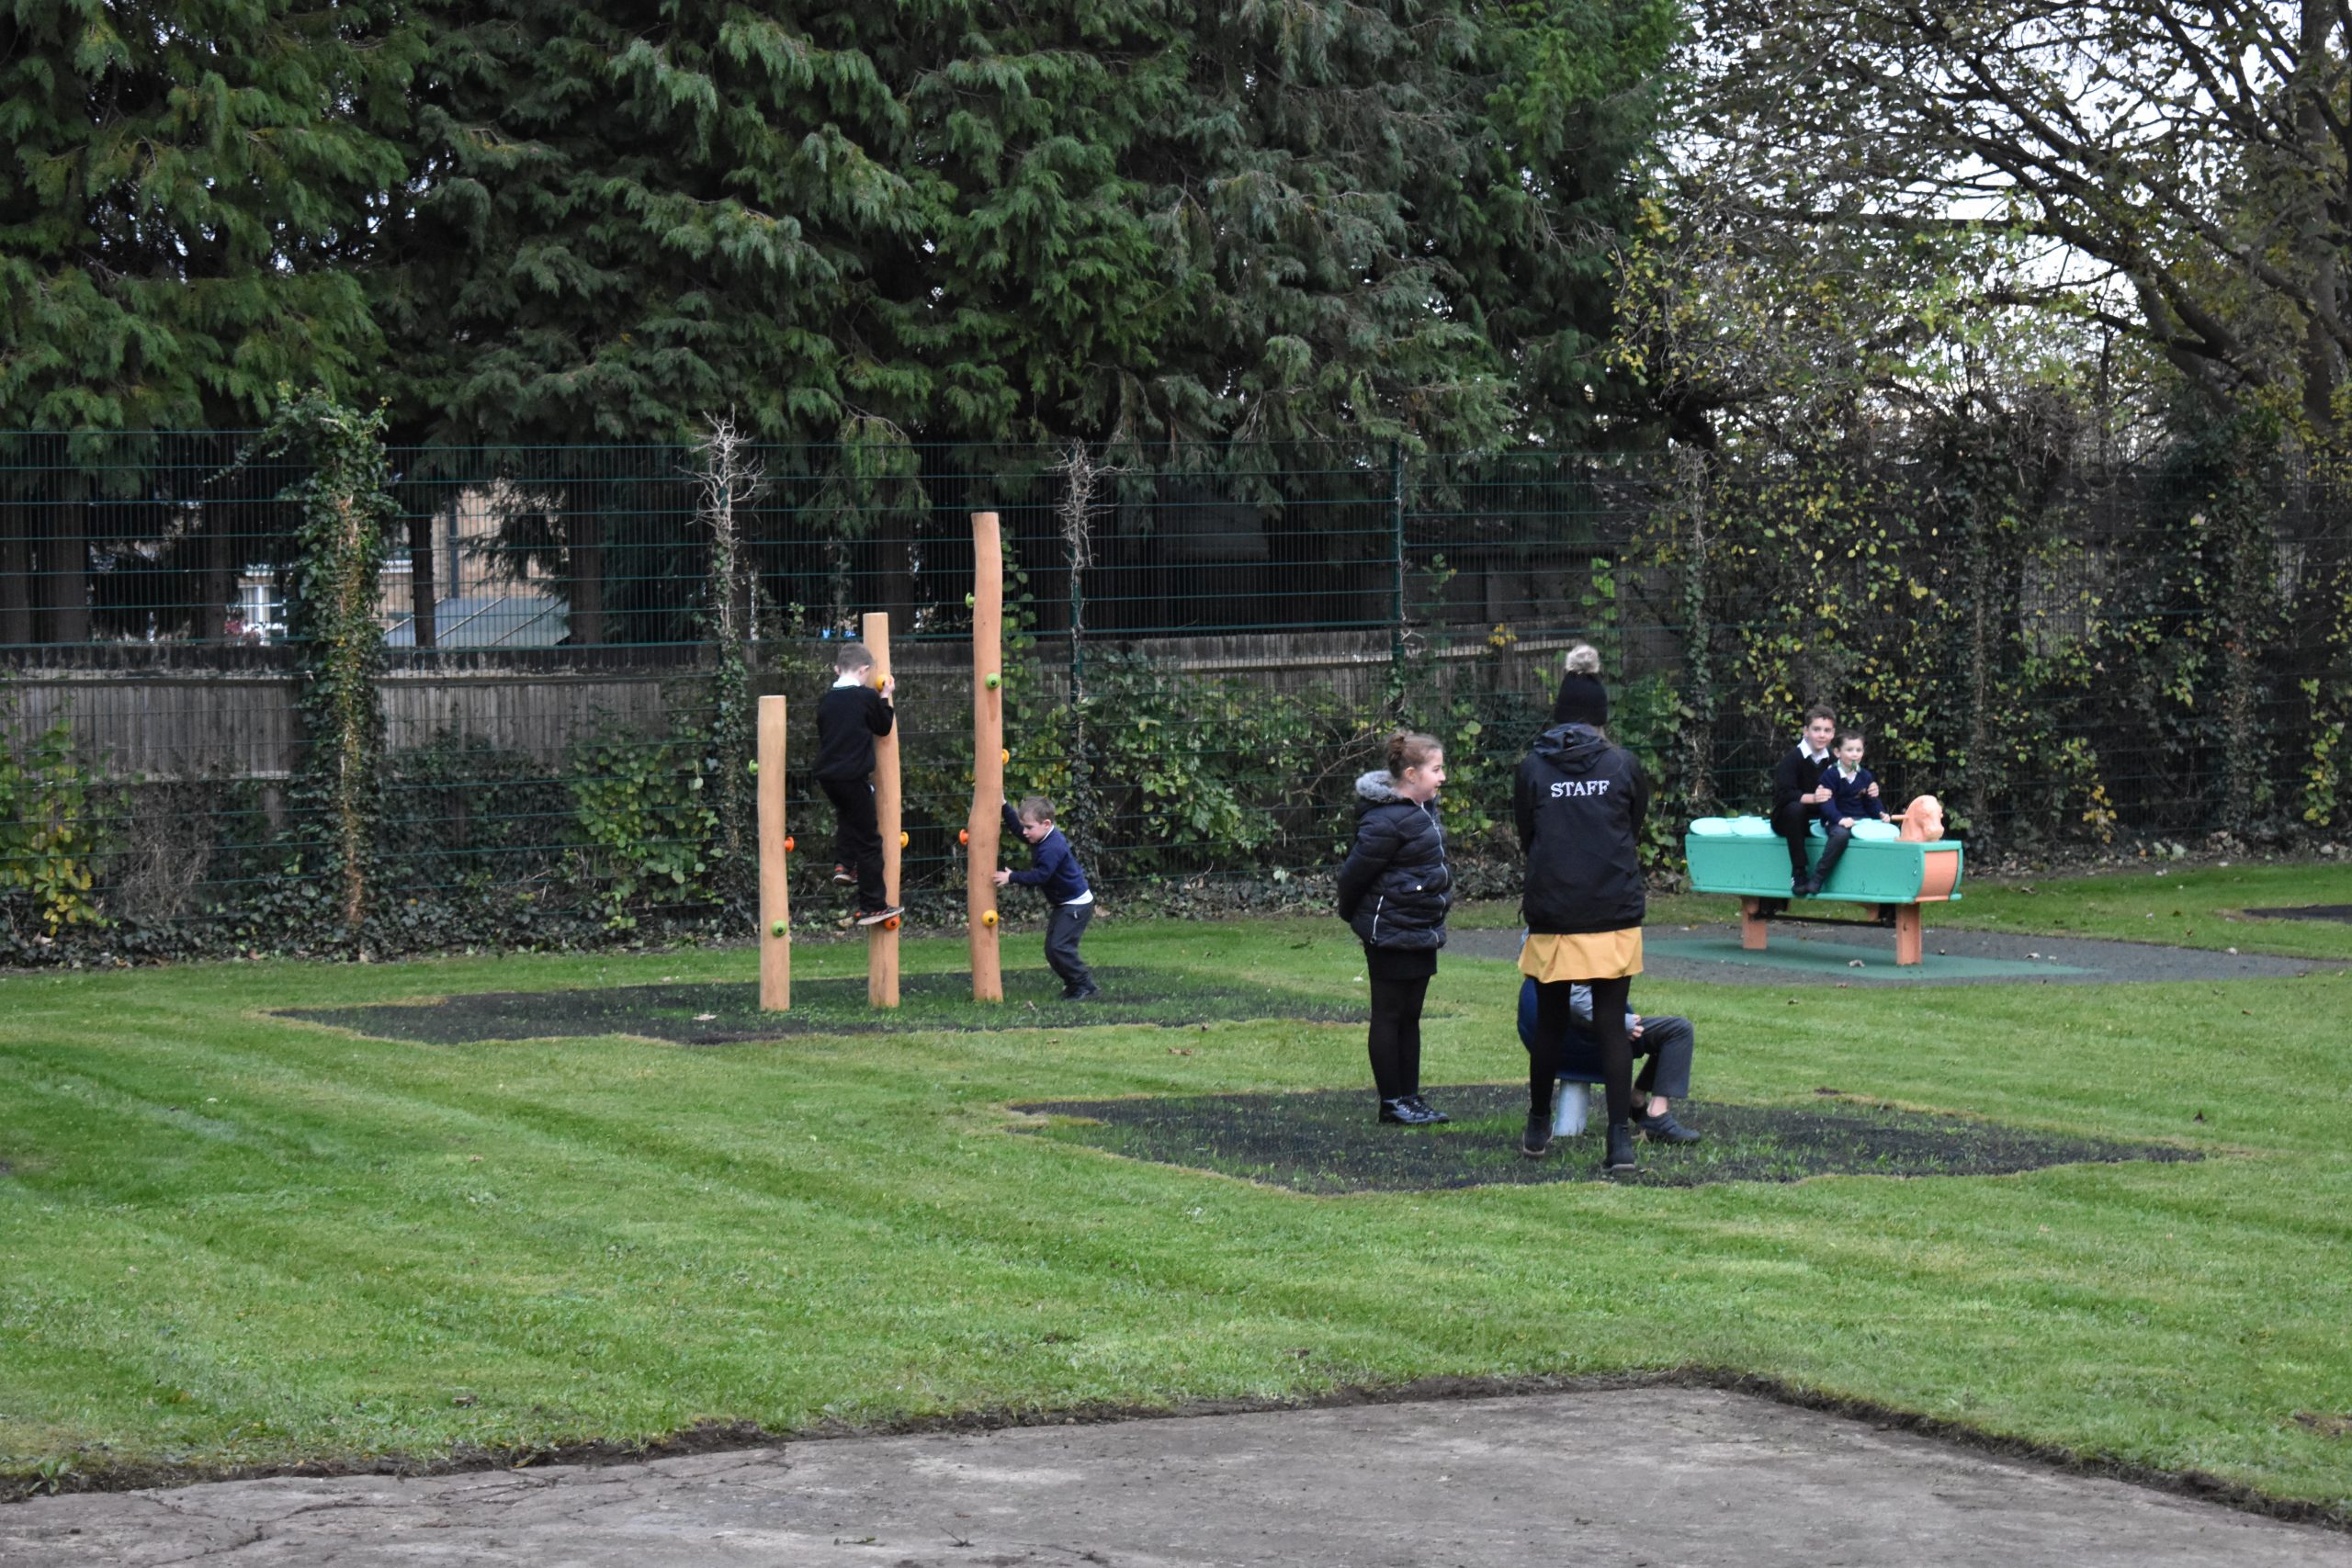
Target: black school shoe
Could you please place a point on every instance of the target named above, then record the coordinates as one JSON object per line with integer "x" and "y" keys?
{"x": 1664, "y": 1129}
{"x": 1407, "y": 1111}
{"x": 1081, "y": 995}
{"x": 1619, "y": 1160}
{"x": 1536, "y": 1141}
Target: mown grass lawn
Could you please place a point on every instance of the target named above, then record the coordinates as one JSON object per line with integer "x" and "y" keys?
{"x": 231, "y": 1238}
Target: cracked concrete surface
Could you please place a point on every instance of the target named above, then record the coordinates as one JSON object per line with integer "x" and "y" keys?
{"x": 1646, "y": 1478}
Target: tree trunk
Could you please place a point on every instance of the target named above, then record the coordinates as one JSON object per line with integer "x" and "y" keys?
{"x": 1699, "y": 735}
{"x": 15, "y": 579}
{"x": 747, "y": 601}
{"x": 424, "y": 598}
{"x": 898, "y": 581}
{"x": 217, "y": 583}
{"x": 65, "y": 576}
{"x": 2319, "y": 71}
{"x": 584, "y": 553}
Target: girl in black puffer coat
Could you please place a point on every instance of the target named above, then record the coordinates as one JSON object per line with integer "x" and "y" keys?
{"x": 1394, "y": 890}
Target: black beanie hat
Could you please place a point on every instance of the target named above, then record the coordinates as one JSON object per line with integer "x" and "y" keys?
{"x": 1582, "y": 700}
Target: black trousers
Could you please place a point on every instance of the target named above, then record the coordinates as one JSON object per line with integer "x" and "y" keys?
{"x": 1394, "y": 1040}
{"x": 1063, "y": 928}
{"x": 1831, "y": 853}
{"x": 858, "y": 838}
{"x": 1664, "y": 1050}
{"x": 1794, "y": 823}
{"x": 1555, "y": 1015}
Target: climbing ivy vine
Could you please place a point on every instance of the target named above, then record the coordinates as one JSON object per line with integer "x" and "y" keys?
{"x": 342, "y": 540}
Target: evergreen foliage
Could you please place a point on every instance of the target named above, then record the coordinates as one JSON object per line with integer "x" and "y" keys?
{"x": 1122, "y": 222}
{"x": 187, "y": 204}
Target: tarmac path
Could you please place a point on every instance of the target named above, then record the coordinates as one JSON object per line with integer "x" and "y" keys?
{"x": 1642, "y": 1477}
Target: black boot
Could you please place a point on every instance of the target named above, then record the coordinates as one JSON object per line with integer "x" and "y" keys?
{"x": 1620, "y": 1158}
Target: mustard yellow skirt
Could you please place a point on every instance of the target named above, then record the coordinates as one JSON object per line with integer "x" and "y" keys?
{"x": 1585, "y": 955}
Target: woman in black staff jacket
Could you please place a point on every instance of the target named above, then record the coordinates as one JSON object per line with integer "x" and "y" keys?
{"x": 1580, "y": 803}
{"x": 1394, "y": 890}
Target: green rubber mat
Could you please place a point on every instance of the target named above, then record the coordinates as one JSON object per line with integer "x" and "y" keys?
{"x": 1793, "y": 954}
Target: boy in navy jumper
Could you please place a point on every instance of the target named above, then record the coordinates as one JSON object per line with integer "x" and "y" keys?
{"x": 848, "y": 718}
{"x": 1054, "y": 874}
{"x": 1853, "y": 793}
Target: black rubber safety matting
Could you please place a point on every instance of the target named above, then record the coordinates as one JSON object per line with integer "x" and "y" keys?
{"x": 1327, "y": 1140}
{"x": 729, "y": 1013}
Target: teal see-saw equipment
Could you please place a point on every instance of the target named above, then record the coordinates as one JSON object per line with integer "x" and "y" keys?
{"x": 1742, "y": 856}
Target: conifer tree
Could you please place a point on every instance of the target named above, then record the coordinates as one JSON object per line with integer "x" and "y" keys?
{"x": 186, "y": 203}
{"x": 187, "y": 199}
{"x": 1122, "y": 220}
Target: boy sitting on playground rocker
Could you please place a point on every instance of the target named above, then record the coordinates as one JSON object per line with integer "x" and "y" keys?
{"x": 1056, "y": 874}
{"x": 1852, "y": 790}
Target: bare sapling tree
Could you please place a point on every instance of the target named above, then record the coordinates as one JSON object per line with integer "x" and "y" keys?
{"x": 730, "y": 480}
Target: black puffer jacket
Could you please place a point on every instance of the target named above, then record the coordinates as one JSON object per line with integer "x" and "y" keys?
{"x": 1396, "y": 887}
{"x": 1580, "y": 804}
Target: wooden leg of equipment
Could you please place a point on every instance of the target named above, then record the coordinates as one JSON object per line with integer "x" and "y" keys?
{"x": 1751, "y": 924}
{"x": 775, "y": 894}
{"x": 986, "y": 827}
{"x": 882, "y": 941}
{"x": 1906, "y": 934}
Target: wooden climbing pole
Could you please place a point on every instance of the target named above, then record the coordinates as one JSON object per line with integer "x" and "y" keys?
{"x": 882, "y": 941}
{"x": 775, "y": 895}
{"x": 985, "y": 831}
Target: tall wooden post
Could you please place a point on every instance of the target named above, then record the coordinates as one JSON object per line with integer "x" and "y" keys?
{"x": 776, "y": 896}
{"x": 987, "y": 825}
{"x": 882, "y": 941}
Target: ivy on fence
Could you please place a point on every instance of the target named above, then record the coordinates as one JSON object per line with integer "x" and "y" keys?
{"x": 346, "y": 510}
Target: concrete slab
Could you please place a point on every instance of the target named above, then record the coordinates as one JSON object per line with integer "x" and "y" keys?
{"x": 1654, "y": 1477}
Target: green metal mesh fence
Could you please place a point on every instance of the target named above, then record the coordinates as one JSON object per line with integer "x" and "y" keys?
{"x": 1204, "y": 654}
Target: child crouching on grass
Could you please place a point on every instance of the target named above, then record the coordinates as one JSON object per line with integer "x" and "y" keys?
{"x": 1055, "y": 873}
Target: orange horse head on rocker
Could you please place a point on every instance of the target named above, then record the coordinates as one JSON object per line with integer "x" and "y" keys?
{"x": 1923, "y": 820}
